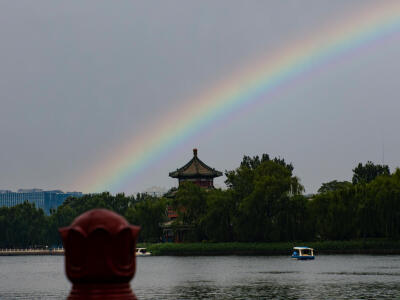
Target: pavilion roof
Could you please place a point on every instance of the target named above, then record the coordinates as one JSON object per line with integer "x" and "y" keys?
{"x": 195, "y": 168}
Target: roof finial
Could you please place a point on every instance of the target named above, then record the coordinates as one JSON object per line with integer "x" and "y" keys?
{"x": 195, "y": 151}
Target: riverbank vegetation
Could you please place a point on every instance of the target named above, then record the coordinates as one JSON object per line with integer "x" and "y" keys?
{"x": 365, "y": 246}
{"x": 263, "y": 205}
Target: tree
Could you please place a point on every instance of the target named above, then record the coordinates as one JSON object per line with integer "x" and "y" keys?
{"x": 294, "y": 220}
{"x": 148, "y": 213}
{"x": 365, "y": 174}
{"x": 380, "y": 207}
{"x": 241, "y": 180}
{"x": 253, "y": 162}
{"x": 336, "y": 214}
{"x": 190, "y": 203}
{"x": 333, "y": 185}
{"x": 259, "y": 187}
{"x": 218, "y": 218}
{"x": 22, "y": 225}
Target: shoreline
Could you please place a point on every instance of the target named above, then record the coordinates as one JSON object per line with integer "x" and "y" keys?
{"x": 368, "y": 246}
{"x": 27, "y": 252}
{"x": 278, "y": 253}
{"x": 384, "y": 247}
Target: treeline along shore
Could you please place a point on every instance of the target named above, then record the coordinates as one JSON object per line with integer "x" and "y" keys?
{"x": 263, "y": 210}
{"x": 368, "y": 246}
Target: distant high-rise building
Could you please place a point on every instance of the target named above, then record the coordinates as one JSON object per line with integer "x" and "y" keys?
{"x": 45, "y": 200}
{"x": 5, "y": 191}
{"x": 30, "y": 190}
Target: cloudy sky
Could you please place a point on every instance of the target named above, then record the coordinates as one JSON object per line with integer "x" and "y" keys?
{"x": 78, "y": 79}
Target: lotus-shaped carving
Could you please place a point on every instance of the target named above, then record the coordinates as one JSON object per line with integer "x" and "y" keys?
{"x": 100, "y": 254}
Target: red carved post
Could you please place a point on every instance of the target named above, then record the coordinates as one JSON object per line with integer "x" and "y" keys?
{"x": 100, "y": 255}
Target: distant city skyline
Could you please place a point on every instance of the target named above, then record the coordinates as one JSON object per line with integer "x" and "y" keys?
{"x": 81, "y": 82}
{"x": 33, "y": 190}
{"x": 45, "y": 200}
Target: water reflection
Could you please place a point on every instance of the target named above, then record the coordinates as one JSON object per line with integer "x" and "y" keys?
{"x": 329, "y": 277}
{"x": 278, "y": 291}
{"x": 363, "y": 273}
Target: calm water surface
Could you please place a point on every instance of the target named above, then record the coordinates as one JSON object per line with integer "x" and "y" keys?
{"x": 222, "y": 277}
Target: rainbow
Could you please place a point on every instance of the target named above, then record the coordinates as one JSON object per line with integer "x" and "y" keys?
{"x": 358, "y": 30}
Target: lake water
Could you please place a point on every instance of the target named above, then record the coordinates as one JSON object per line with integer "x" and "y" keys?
{"x": 221, "y": 277}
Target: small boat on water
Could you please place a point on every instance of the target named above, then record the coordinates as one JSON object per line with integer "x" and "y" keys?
{"x": 303, "y": 253}
{"x": 142, "y": 252}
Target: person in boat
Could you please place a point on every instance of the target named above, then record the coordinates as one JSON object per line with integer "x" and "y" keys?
{"x": 295, "y": 253}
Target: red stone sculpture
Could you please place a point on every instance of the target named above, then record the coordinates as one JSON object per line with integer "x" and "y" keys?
{"x": 100, "y": 255}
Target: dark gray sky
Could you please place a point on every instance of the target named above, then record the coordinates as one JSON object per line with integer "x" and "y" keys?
{"x": 79, "y": 78}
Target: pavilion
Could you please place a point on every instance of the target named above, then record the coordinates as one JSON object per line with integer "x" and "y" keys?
{"x": 200, "y": 174}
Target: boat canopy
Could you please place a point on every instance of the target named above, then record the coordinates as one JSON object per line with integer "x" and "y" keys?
{"x": 302, "y": 248}
{"x": 303, "y": 253}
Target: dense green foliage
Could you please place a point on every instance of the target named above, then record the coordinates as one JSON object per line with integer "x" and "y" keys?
{"x": 359, "y": 211}
{"x": 367, "y": 173}
{"x": 22, "y": 225}
{"x": 25, "y": 226}
{"x": 263, "y": 203}
{"x": 333, "y": 185}
{"x": 149, "y": 213}
{"x": 267, "y": 201}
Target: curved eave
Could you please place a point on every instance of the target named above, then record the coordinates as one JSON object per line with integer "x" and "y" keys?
{"x": 196, "y": 175}
{"x": 179, "y": 173}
